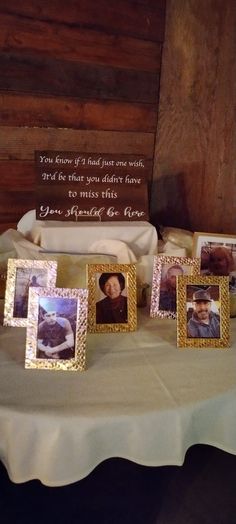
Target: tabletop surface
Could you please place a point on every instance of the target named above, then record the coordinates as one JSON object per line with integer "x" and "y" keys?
{"x": 140, "y": 398}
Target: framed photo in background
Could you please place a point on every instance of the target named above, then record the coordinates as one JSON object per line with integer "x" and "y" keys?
{"x": 203, "y": 311}
{"x": 217, "y": 254}
{"x": 112, "y": 297}
{"x": 21, "y": 275}
{"x": 56, "y": 329}
{"x": 165, "y": 272}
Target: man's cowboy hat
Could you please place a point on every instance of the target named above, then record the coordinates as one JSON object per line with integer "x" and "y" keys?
{"x": 201, "y": 295}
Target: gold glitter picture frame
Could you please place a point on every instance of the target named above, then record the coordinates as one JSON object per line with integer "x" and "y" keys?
{"x": 163, "y": 293}
{"x": 203, "y": 312}
{"x": 21, "y": 275}
{"x": 57, "y": 329}
{"x": 112, "y": 297}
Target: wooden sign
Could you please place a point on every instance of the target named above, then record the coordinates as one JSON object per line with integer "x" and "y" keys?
{"x": 89, "y": 186}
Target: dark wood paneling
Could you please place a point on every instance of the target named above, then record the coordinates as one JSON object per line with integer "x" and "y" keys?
{"x": 29, "y": 110}
{"x": 4, "y": 226}
{"x": 77, "y": 76}
{"x": 17, "y": 192}
{"x": 24, "y": 35}
{"x": 140, "y": 19}
{"x": 19, "y": 175}
{"x": 31, "y": 74}
{"x": 21, "y": 143}
{"x": 14, "y": 204}
{"x": 194, "y": 173}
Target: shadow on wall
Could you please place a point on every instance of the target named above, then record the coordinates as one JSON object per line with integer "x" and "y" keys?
{"x": 169, "y": 202}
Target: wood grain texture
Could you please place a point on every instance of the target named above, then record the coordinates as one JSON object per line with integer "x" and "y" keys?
{"x": 75, "y": 76}
{"x": 14, "y": 204}
{"x": 31, "y": 74}
{"x": 17, "y": 192}
{"x": 141, "y": 19}
{"x": 194, "y": 171}
{"x": 23, "y": 36}
{"x": 21, "y": 143}
{"x": 19, "y": 175}
{"x": 41, "y": 111}
{"x": 4, "y": 226}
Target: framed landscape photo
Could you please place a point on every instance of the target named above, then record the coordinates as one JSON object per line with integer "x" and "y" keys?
{"x": 21, "y": 276}
{"x": 112, "y": 297}
{"x": 217, "y": 254}
{"x": 165, "y": 272}
{"x": 56, "y": 329}
{"x": 203, "y": 311}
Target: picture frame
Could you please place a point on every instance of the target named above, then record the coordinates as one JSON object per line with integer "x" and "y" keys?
{"x": 112, "y": 298}
{"x": 163, "y": 293}
{"x": 56, "y": 329}
{"x": 203, "y": 312}
{"x": 217, "y": 254}
{"x": 21, "y": 275}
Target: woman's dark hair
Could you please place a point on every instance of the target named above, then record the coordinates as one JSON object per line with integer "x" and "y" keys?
{"x": 105, "y": 276}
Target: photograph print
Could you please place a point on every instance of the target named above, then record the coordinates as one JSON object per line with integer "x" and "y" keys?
{"x": 56, "y": 329}
{"x": 21, "y": 276}
{"x": 203, "y": 311}
{"x": 112, "y": 297}
{"x": 112, "y": 303}
{"x": 217, "y": 254}
{"x": 166, "y": 270}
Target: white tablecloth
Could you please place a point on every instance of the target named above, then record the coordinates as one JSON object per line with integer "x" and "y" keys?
{"x": 140, "y": 398}
{"x": 140, "y": 237}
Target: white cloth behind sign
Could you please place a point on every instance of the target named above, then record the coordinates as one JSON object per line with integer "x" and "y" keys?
{"x": 129, "y": 242}
{"x": 26, "y": 222}
{"x": 77, "y": 237}
{"x": 118, "y": 248}
{"x": 71, "y": 267}
{"x": 176, "y": 242}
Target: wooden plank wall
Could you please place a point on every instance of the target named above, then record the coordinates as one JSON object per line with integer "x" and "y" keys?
{"x": 75, "y": 76}
{"x": 195, "y": 161}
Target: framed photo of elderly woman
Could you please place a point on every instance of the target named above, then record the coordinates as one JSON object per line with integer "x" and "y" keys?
{"x": 57, "y": 329}
{"x": 203, "y": 311}
{"x": 217, "y": 254}
{"x": 21, "y": 276}
{"x": 165, "y": 272}
{"x": 112, "y": 297}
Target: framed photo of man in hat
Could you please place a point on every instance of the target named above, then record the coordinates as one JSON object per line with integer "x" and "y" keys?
{"x": 56, "y": 329}
{"x": 203, "y": 311}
